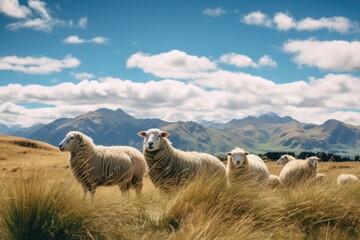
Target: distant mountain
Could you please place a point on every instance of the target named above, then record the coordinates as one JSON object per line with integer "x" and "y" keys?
{"x": 265, "y": 133}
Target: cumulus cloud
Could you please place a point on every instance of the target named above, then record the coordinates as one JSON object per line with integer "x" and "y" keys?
{"x": 34, "y": 65}
{"x": 243, "y": 61}
{"x": 335, "y": 24}
{"x": 320, "y": 54}
{"x": 232, "y": 95}
{"x": 257, "y": 18}
{"x": 214, "y": 12}
{"x": 83, "y": 75}
{"x": 12, "y": 8}
{"x": 39, "y": 19}
{"x": 76, "y": 40}
{"x": 173, "y": 64}
{"x": 285, "y": 22}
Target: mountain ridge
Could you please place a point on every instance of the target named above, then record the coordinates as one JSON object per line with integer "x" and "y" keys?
{"x": 268, "y": 132}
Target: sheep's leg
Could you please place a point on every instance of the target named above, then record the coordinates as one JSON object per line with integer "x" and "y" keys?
{"x": 138, "y": 187}
{"x": 124, "y": 188}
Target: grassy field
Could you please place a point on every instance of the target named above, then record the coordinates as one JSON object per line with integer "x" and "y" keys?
{"x": 39, "y": 199}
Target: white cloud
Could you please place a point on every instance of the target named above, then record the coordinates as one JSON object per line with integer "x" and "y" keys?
{"x": 335, "y": 24}
{"x": 76, "y": 40}
{"x": 257, "y": 18}
{"x": 40, "y": 7}
{"x": 12, "y": 8}
{"x": 173, "y": 64}
{"x": 233, "y": 95}
{"x": 267, "y": 61}
{"x": 327, "y": 55}
{"x": 238, "y": 60}
{"x": 284, "y": 22}
{"x": 33, "y": 65}
{"x": 83, "y": 22}
{"x": 40, "y": 20}
{"x": 214, "y": 12}
{"x": 209, "y": 92}
{"x": 83, "y": 75}
{"x": 243, "y": 61}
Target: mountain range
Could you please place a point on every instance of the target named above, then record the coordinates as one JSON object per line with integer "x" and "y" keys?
{"x": 266, "y": 133}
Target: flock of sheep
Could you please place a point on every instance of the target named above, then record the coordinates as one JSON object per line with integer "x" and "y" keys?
{"x": 169, "y": 168}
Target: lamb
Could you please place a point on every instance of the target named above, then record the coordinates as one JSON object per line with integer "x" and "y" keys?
{"x": 95, "y": 166}
{"x": 171, "y": 168}
{"x": 241, "y": 163}
{"x": 284, "y": 159}
{"x": 346, "y": 178}
{"x": 298, "y": 171}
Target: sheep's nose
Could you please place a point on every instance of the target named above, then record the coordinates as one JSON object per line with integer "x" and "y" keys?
{"x": 150, "y": 144}
{"x": 61, "y": 147}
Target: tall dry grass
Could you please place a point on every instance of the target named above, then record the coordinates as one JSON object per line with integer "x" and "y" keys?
{"x": 35, "y": 205}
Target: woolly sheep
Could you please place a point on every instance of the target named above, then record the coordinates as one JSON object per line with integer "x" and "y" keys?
{"x": 298, "y": 171}
{"x": 242, "y": 163}
{"x": 95, "y": 166}
{"x": 346, "y": 178}
{"x": 170, "y": 167}
{"x": 273, "y": 181}
{"x": 284, "y": 159}
{"x": 320, "y": 177}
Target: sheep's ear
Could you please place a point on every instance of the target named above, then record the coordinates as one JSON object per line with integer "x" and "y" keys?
{"x": 247, "y": 153}
{"x": 165, "y": 134}
{"x": 78, "y": 136}
{"x": 141, "y": 134}
{"x": 229, "y": 153}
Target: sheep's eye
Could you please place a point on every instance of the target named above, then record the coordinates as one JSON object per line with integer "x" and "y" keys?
{"x": 159, "y": 136}
{"x": 72, "y": 138}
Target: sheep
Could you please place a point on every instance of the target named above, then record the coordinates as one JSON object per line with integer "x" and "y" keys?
{"x": 95, "y": 166}
{"x": 171, "y": 168}
{"x": 284, "y": 159}
{"x": 273, "y": 181}
{"x": 298, "y": 171}
{"x": 241, "y": 163}
{"x": 346, "y": 178}
{"x": 320, "y": 177}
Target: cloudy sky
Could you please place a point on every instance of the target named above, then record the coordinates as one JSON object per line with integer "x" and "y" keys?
{"x": 180, "y": 60}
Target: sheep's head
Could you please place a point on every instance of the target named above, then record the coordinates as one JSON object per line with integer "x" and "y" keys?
{"x": 153, "y": 138}
{"x": 313, "y": 161}
{"x": 284, "y": 159}
{"x": 70, "y": 141}
{"x": 237, "y": 156}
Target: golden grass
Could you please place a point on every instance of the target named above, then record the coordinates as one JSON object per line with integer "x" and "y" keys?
{"x": 42, "y": 200}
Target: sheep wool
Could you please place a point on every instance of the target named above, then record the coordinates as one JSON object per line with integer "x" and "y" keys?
{"x": 284, "y": 159}
{"x": 170, "y": 168}
{"x": 346, "y": 178}
{"x": 243, "y": 164}
{"x": 95, "y": 166}
{"x": 298, "y": 171}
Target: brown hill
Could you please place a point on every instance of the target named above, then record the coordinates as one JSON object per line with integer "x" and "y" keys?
{"x": 18, "y": 153}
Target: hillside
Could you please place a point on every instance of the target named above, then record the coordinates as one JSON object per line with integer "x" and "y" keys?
{"x": 265, "y": 133}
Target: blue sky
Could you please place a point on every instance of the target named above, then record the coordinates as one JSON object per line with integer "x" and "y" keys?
{"x": 180, "y": 60}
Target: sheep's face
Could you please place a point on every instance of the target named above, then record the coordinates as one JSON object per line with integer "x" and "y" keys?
{"x": 69, "y": 142}
{"x": 284, "y": 159}
{"x": 313, "y": 161}
{"x": 153, "y": 138}
{"x": 237, "y": 158}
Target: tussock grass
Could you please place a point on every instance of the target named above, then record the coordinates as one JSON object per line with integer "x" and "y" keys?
{"x": 35, "y": 205}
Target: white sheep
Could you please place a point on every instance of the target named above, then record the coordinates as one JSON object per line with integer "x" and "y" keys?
{"x": 346, "y": 178}
{"x": 284, "y": 159}
{"x": 321, "y": 177}
{"x": 170, "y": 167}
{"x": 298, "y": 171}
{"x": 95, "y": 166}
{"x": 273, "y": 181}
{"x": 242, "y": 163}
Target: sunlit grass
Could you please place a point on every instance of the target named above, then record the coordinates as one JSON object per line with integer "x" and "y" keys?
{"x": 39, "y": 205}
